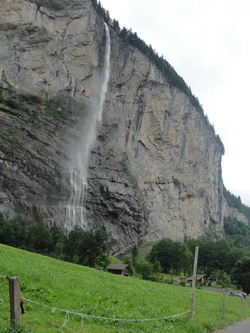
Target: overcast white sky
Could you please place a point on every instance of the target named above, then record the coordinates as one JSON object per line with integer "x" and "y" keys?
{"x": 207, "y": 42}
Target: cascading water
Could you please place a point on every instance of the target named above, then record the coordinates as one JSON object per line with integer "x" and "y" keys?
{"x": 75, "y": 210}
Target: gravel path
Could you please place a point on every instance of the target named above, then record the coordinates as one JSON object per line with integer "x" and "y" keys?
{"x": 240, "y": 327}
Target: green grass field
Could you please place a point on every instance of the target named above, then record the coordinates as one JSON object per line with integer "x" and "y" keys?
{"x": 65, "y": 293}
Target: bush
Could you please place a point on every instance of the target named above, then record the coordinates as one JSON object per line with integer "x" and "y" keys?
{"x": 31, "y": 99}
{"x": 12, "y": 104}
{"x": 169, "y": 281}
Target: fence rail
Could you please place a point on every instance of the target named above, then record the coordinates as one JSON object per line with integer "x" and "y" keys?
{"x": 53, "y": 309}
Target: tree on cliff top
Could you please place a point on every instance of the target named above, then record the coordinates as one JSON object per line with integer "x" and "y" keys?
{"x": 172, "y": 77}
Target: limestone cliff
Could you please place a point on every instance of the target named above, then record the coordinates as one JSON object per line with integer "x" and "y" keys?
{"x": 155, "y": 168}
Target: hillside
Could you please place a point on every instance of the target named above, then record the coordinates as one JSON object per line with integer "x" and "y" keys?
{"x": 69, "y": 298}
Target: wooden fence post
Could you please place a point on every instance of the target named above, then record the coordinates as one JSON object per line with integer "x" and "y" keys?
{"x": 14, "y": 292}
{"x": 242, "y": 303}
{"x": 193, "y": 282}
{"x": 224, "y": 302}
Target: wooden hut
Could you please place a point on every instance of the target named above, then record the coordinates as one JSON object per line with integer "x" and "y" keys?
{"x": 120, "y": 269}
{"x": 201, "y": 278}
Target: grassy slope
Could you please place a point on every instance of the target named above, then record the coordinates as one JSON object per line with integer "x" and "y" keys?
{"x": 84, "y": 290}
{"x": 146, "y": 248}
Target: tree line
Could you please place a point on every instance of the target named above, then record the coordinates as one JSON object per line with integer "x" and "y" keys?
{"x": 235, "y": 202}
{"x": 89, "y": 248}
{"x": 221, "y": 259}
{"x": 218, "y": 258}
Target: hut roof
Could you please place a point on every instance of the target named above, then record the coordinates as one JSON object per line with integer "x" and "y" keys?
{"x": 198, "y": 277}
{"x": 117, "y": 266}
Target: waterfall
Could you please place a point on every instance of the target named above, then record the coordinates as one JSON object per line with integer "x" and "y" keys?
{"x": 75, "y": 210}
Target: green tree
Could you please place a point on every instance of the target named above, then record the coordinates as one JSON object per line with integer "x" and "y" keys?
{"x": 185, "y": 259}
{"x": 72, "y": 244}
{"x": 157, "y": 267}
{"x": 7, "y": 235}
{"x": 20, "y": 229}
{"x": 166, "y": 252}
{"x": 116, "y": 26}
{"x": 135, "y": 253}
{"x": 232, "y": 257}
{"x": 58, "y": 241}
{"x": 39, "y": 238}
{"x": 146, "y": 269}
{"x": 94, "y": 247}
{"x": 241, "y": 274}
{"x": 89, "y": 248}
{"x": 206, "y": 252}
{"x": 221, "y": 251}
{"x": 128, "y": 260}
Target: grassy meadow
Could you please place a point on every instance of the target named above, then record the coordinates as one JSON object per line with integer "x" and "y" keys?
{"x": 146, "y": 248}
{"x": 63, "y": 293}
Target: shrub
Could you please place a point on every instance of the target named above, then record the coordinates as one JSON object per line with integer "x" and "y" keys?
{"x": 31, "y": 99}
{"x": 12, "y": 104}
{"x": 169, "y": 281}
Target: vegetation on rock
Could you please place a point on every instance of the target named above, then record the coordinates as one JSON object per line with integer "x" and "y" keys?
{"x": 235, "y": 202}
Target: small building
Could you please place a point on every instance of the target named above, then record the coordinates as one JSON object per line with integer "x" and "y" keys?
{"x": 120, "y": 269}
{"x": 201, "y": 278}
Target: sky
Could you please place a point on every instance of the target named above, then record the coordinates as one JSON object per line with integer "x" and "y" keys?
{"x": 207, "y": 43}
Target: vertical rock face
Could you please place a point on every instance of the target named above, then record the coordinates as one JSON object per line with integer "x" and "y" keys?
{"x": 155, "y": 169}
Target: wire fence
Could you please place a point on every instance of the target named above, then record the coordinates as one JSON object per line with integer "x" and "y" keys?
{"x": 245, "y": 302}
{"x": 218, "y": 304}
{"x": 67, "y": 312}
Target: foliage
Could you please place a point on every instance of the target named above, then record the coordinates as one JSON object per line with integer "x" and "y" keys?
{"x": 91, "y": 247}
{"x": 235, "y": 202}
{"x": 141, "y": 266}
{"x": 185, "y": 259}
{"x": 241, "y": 274}
{"x": 30, "y": 99}
{"x": 55, "y": 108}
{"x": 135, "y": 253}
{"x": 88, "y": 248}
{"x": 12, "y": 103}
{"x": 167, "y": 253}
{"x": 147, "y": 270}
{"x": 126, "y": 170}
{"x": 217, "y": 257}
{"x": 128, "y": 260}
{"x": 221, "y": 277}
{"x": 1, "y": 96}
{"x": 237, "y": 233}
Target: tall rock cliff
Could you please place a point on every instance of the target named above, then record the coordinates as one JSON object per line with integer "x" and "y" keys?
{"x": 155, "y": 166}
